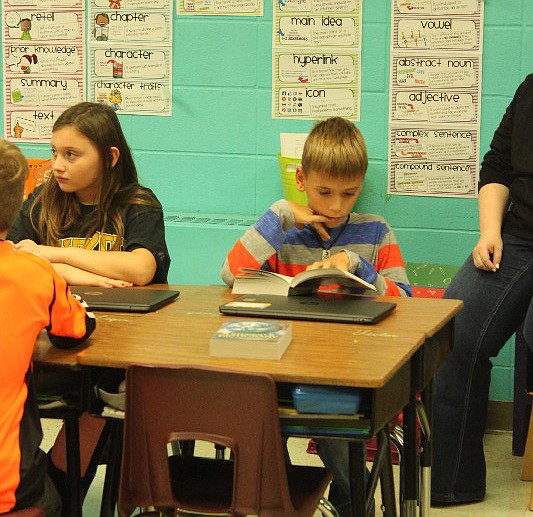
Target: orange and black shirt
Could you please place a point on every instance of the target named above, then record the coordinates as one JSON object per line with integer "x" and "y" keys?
{"x": 33, "y": 297}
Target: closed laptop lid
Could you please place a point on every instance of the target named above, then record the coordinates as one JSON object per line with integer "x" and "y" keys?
{"x": 321, "y": 307}
{"x": 124, "y": 299}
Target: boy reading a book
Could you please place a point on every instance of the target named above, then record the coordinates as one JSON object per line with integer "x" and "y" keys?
{"x": 32, "y": 297}
{"x": 290, "y": 238}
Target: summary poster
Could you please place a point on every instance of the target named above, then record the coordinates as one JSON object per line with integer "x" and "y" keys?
{"x": 316, "y": 59}
{"x": 43, "y": 66}
{"x": 435, "y": 93}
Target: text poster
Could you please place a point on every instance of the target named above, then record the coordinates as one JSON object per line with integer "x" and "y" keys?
{"x": 130, "y": 55}
{"x": 316, "y": 59}
{"x": 43, "y": 66}
{"x": 435, "y": 94}
{"x": 220, "y": 7}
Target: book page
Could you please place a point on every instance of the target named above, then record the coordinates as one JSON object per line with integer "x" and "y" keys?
{"x": 330, "y": 276}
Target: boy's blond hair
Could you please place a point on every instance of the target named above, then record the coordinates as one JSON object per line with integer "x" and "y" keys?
{"x": 13, "y": 174}
{"x": 335, "y": 148}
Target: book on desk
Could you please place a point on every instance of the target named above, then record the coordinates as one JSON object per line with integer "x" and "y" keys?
{"x": 251, "y": 339}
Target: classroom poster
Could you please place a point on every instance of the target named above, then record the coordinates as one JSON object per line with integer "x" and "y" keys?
{"x": 130, "y": 55}
{"x": 43, "y": 66}
{"x": 435, "y": 94}
{"x": 220, "y": 7}
{"x": 316, "y": 59}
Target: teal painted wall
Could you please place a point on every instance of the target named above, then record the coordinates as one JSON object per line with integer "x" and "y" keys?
{"x": 216, "y": 155}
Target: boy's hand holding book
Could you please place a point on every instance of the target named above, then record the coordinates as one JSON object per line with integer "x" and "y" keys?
{"x": 338, "y": 261}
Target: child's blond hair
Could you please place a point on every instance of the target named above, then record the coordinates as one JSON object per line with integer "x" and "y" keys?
{"x": 335, "y": 148}
{"x": 13, "y": 174}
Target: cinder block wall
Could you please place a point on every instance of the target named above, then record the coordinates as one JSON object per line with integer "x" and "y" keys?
{"x": 215, "y": 158}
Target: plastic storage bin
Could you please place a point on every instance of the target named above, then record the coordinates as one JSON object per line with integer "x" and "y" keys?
{"x": 288, "y": 179}
{"x": 326, "y": 399}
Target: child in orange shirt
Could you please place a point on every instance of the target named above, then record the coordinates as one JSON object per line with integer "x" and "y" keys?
{"x": 33, "y": 297}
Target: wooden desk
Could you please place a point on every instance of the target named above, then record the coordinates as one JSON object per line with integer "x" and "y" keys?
{"x": 425, "y": 315}
{"x": 180, "y": 333}
{"x": 381, "y": 358}
{"x": 45, "y": 353}
{"x": 320, "y": 353}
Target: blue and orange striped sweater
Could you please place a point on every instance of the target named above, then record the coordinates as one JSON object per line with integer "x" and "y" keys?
{"x": 274, "y": 243}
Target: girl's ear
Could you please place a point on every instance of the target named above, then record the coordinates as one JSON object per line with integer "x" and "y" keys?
{"x": 114, "y": 154}
{"x": 300, "y": 179}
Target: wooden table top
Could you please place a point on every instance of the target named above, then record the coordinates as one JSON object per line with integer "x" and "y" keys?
{"x": 320, "y": 352}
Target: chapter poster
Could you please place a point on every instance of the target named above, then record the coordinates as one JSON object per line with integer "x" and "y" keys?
{"x": 130, "y": 56}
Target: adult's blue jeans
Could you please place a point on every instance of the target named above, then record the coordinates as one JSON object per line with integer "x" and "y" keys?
{"x": 495, "y": 304}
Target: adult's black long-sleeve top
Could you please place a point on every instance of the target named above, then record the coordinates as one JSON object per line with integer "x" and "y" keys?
{"x": 510, "y": 161}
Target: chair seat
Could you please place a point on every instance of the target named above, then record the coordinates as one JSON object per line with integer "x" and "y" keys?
{"x": 207, "y": 483}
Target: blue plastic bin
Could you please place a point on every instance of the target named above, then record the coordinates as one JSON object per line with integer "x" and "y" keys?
{"x": 309, "y": 398}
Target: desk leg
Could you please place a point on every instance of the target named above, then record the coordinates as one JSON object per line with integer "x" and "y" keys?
{"x": 425, "y": 455}
{"x": 388, "y": 500}
{"x": 72, "y": 439}
{"x": 112, "y": 473}
{"x": 408, "y": 506}
{"x": 382, "y": 470}
{"x": 357, "y": 464}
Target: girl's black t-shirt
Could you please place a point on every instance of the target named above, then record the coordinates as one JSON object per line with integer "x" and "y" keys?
{"x": 143, "y": 228}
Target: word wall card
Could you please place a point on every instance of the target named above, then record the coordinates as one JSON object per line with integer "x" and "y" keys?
{"x": 316, "y": 59}
{"x": 44, "y": 64}
{"x": 435, "y": 94}
{"x": 130, "y": 55}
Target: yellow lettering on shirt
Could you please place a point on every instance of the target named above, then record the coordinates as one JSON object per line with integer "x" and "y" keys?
{"x": 98, "y": 242}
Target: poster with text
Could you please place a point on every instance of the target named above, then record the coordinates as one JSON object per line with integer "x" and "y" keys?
{"x": 220, "y": 7}
{"x": 130, "y": 56}
{"x": 435, "y": 95}
{"x": 132, "y": 80}
{"x": 316, "y": 59}
{"x": 43, "y": 65}
{"x": 436, "y": 161}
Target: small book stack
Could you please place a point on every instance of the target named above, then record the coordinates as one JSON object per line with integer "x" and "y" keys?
{"x": 251, "y": 339}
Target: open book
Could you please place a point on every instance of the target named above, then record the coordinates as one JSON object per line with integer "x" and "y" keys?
{"x": 253, "y": 281}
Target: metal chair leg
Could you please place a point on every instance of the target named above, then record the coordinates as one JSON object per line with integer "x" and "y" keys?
{"x": 327, "y": 509}
{"x": 423, "y": 410}
{"x": 396, "y": 437}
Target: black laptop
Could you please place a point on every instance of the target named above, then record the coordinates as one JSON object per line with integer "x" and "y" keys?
{"x": 124, "y": 299}
{"x": 320, "y": 307}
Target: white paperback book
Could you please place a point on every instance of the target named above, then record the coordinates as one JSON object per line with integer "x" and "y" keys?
{"x": 254, "y": 281}
{"x": 251, "y": 339}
